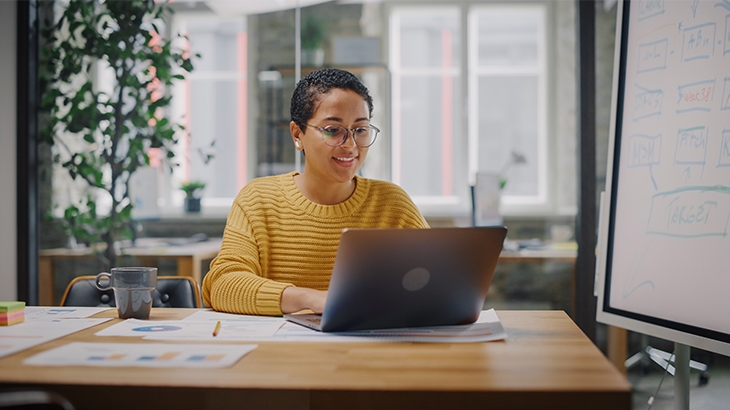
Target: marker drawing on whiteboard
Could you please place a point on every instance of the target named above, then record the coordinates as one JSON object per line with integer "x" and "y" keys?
{"x": 647, "y": 103}
{"x": 724, "y": 4}
{"x": 691, "y": 146}
{"x": 724, "y": 160}
{"x": 650, "y": 8}
{"x": 690, "y": 212}
{"x": 698, "y": 42}
{"x": 696, "y": 96}
{"x": 652, "y": 56}
{"x": 645, "y": 151}
{"x": 725, "y": 99}
{"x": 634, "y": 271}
{"x": 694, "y": 5}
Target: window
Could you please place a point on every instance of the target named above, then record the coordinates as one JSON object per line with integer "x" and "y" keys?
{"x": 212, "y": 104}
{"x": 425, "y": 62}
{"x": 438, "y": 147}
{"x": 507, "y": 74}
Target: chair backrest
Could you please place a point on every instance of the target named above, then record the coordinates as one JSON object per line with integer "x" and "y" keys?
{"x": 171, "y": 291}
{"x": 33, "y": 400}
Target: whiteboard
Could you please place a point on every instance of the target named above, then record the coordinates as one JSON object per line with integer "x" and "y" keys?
{"x": 664, "y": 256}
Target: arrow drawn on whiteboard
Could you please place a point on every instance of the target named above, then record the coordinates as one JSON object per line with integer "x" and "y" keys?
{"x": 634, "y": 272}
{"x": 725, "y": 4}
{"x": 653, "y": 181}
{"x": 686, "y": 172}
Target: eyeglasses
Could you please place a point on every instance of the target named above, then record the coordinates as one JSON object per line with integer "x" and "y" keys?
{"x": 336, "y": 135}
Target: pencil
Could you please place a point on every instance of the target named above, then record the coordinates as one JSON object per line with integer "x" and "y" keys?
{"x": 217, "y": 328}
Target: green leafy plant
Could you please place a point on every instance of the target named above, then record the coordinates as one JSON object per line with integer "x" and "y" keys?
{"x": 313, "y": 33}
{"x": 516, "y": 158}
{"x": 101, "y": 131}
{"x": 191, "y": 188}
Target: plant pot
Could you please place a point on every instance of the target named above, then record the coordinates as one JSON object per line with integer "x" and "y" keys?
{"x": 192, "y": 205}
{"x": 313, "y": 57}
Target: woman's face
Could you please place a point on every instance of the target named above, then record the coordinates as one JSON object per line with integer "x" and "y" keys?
{"x": 338, "y": 164}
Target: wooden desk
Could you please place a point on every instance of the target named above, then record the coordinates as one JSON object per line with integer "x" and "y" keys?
{"x": 149, "y": 251}
{"x": 545, "y": 363}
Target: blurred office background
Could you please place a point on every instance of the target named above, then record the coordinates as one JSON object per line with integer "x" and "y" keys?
{"x": 460, "y": 89}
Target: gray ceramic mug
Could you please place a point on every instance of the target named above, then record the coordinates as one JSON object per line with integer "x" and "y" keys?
{"x": 133, "y": 289}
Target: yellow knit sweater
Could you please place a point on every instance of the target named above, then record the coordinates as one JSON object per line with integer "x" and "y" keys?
{"x": 275, "y": 238}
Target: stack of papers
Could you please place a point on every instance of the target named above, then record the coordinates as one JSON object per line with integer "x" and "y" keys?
{"x": 199, "y": 326}
{"x": 43, "y": 324}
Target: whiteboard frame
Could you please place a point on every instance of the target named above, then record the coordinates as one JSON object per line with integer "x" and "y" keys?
{"x": 652, "y": 326}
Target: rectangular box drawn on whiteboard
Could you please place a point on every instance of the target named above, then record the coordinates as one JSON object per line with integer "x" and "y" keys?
{"x": 725, "y": 149}
{"x": 698, "y": 42}
{"x": 696, "y": 96}
{"x": 691, "y": 146}
{"x": 650, "y": 8}
{"x": 725, "y": 102}
{"x": 690, "y": 212}
{"x": 644, "y": 150}
{"x": 647, "y": 103}
{"x": 652, "y": 56}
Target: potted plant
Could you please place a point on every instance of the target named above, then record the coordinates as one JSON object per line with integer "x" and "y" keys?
{"x": 313, "y": 33}
{"x": 101, "y": 132}
{"x": 191, "y": 189}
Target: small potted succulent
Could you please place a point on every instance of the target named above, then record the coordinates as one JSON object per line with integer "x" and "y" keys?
{"x": 192, "y": 200}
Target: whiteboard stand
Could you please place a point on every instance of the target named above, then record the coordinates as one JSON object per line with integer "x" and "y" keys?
{"x": 681, "y": 376}
{"x": 650, "y": 354}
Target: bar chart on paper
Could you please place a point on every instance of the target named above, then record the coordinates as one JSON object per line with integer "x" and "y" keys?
{"x": 141, "y": 355}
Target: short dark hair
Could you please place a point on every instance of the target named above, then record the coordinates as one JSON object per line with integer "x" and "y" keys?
{"x": 308, "y": 89}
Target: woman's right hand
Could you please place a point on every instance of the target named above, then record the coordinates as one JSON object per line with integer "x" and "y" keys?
{"x": 294, "y": 299}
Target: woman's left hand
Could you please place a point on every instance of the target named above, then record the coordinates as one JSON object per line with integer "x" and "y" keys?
{"x": 295, "y": 299}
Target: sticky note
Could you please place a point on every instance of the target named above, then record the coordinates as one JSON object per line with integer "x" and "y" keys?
{"x": 10, "y": 306}
{"x": 11, "y": 313}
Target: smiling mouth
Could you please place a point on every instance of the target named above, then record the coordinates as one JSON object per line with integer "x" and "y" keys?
{"x": 345, "y": 159}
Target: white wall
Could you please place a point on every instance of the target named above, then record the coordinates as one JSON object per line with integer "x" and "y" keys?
{"x": 8, "y": 171}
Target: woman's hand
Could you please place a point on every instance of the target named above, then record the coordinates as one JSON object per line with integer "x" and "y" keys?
{"x": 294, "y": 299}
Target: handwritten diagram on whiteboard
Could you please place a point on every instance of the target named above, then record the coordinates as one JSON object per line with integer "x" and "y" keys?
{"x": 671, "y": 238}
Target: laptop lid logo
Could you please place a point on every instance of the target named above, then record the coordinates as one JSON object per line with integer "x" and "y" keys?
{"x": 415, "y": 279}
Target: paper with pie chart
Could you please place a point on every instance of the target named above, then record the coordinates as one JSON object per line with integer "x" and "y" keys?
{"x": 193, "y": 330}
{"x": 142, "y": 355}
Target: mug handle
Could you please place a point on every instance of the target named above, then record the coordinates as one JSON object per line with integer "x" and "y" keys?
{"x": 106, "y": 275}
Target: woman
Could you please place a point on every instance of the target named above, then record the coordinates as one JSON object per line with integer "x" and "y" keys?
{"x": 282, "y": 233}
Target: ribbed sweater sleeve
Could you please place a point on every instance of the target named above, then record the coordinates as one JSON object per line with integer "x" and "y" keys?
{"x": 275, "y": 238}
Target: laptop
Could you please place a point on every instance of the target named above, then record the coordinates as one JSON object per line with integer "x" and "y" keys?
{"x": 395, "y": 278}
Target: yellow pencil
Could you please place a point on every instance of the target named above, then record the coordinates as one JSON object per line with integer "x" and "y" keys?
{"x": 217, "y": 328}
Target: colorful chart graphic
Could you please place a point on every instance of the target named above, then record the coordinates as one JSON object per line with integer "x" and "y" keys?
{"x": 162, "y": 328}
{"x": 141, "y": 355}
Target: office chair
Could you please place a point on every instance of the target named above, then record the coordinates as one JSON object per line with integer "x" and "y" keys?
{"x": 33, "y": 400}
{"x": 171, "y": 291}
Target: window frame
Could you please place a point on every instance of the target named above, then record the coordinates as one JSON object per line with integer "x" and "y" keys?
{"x": 451, "y": 205}
{"x": 172, "y": 198}
{"x": 513, "y": 204}
{"x": 545, "y": 202}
